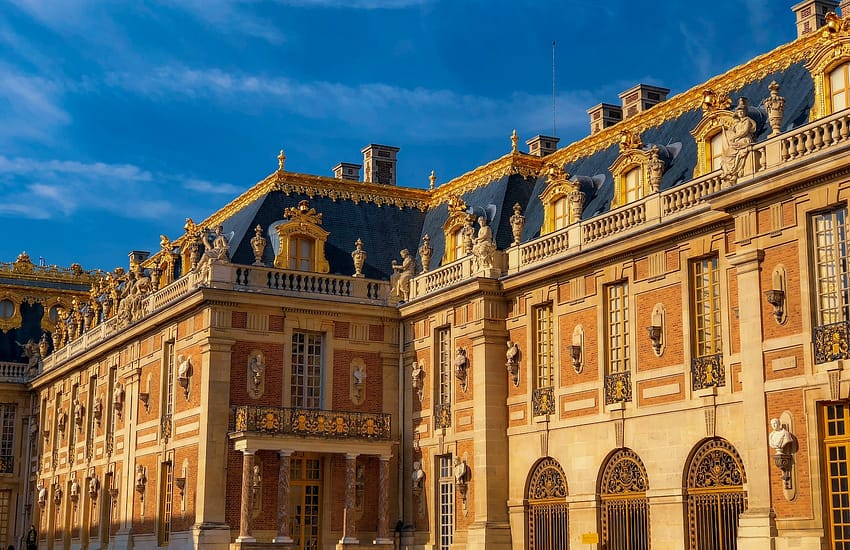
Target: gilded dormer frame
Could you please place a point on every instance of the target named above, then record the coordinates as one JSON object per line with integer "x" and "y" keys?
{"x": 834, "y": 52}
{"x": 631, "y": 159}
{"x": 712, "y": 123}
{"x": 458, "y": 217}
{"x": 15, "y": 319}
{"x": 557, "y": 187}
{"x": 303, "y": 221}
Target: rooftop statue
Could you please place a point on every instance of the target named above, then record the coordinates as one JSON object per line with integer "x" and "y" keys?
{"x": 737, "y": 140}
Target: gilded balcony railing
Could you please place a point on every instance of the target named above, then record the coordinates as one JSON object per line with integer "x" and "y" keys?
{"x": 707, "y": 372}
{"x": 543, "y": 401}
{"x": 313, "y": 423}
{"x": 442, "y": 415}
{"x": 618, "y": 387}
{"x": 830, "y": 342}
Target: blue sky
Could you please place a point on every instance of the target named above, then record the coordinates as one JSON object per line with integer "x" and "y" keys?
{"x": 120, "y": 119}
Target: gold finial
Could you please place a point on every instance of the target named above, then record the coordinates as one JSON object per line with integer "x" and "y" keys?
{"x": 281, "y": 158}
{"x": 514, "y": 141}
{"x": 433, "y": 179}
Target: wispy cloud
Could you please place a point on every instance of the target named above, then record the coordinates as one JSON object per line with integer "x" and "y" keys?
{"x": 30, "y": 106}
{"x": 420, "y": 113}
{"x": 204, "y": 186}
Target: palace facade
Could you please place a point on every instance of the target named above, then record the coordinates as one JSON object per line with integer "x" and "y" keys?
{"x": 637, "y": 340}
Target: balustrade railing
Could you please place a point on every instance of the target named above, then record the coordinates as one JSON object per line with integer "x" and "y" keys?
{"x": 13, "y": 372}
{"x": 313, "y": 422}
{"x": 545, "y": 247}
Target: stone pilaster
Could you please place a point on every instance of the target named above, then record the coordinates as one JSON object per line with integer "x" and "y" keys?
{"x": 283, "y": 499}
{"x": 245, "y": 506}
{"x": 384, "y": 502}
{"x": 349, "y": 535}
{"x": 757, "y": 526}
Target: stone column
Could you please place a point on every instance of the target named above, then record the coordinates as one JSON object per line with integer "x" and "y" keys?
{"x": 348, "y": 531}
{"x": 757, "y": 525}
{"x": 283, "y": 499}
{"x": 384, "y": 502}
{"x": 245, "y": 508}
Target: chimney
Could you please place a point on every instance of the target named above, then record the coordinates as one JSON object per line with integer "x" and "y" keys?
{"x": 603, "y": 116}
{"x": 640, "y": 98}
{"x": 540, "y": 146}
{"x": 347, "y": 171}
{"x": 811, "y": 14}
{"x": 380, "y": 164}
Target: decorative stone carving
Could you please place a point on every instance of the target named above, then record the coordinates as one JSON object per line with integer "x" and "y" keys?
{"x": 359, "y": 258}
{"x": 118, "y": 399}
{"x": 358, "y": 381}
{"x": 417, "y": 374}
{"x": 737, "y": 141}
{"x": 141, "y": 480}
{"x": 575, "y": 198}
{"x": 484, "y": 248}
{"x": 785, "y": 445}
{"x": 57, "y": 493}
{"x": 403, "y": 273}
{"x": 432, "y": 181}
{"x": 512, "y": 355}
{"x": 42, "y": 494}
{"x": 517, "y": 223}
{"x": 514, "y": 141}
{"x": 79, "y": 412}
{"x": 461, "y": 474}
{"x": 775, "y": 105}
{"x": 219, "y": 251}
{"x": 43, "y": 345}
{"x": 256, "y": 374}
{"x": 62, "y": 421}
{"x": 461, "y": 368}
{"x": 184, "y": 373}
{"x": 467, "y": 235}
{"x": 654, "y": 169}
{"x": 97, "y": 410}
{"x": 32, "y": 352}
{"x": 630, "y": 140}
{"x": 425, "y": 253}
{"x": 74, "y": 492}
{"x": 256, "y": 486}
{"x": 418, "y": 476}
{"x": 713, "y": 101}
{"x": 94, "y": 486}
{"x": 258, "y": 245}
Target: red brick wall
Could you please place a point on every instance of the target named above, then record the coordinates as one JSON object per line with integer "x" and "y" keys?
{"x": 590, "y": 360}
{"x": 787, "y": 255}
{"x": 801, "y": 507}
{"x": 520, "y": 336}
{"x": 341, "y": 390}
{"x": 671, "y": 298}
{"x": 239, "y": 373}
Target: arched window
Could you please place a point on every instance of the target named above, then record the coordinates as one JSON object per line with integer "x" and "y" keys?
{"x": 624, "y": 508}
{"x": 301, "y": 253}
{"x": 715, "y": 496}
{"x": 839, "y": 87}
{"x": 632, "y": 185}
{"x": 560, "y": 212}
{"x": 453, "y": 229}
{"x": 546, "y": 494}
{"x": 714, "y": 154}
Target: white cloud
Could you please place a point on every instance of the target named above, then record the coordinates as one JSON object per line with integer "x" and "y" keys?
{"x": 418, "y": 113}
{"x": 29, "y": 107}
{"x": 204, "y": 186}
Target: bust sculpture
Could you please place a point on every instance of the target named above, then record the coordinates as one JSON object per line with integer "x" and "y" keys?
{"x": 418, "y": 475}
{"x": 780, "y": 438}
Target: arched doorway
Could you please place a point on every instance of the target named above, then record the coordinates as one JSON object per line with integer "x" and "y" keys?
{"x": 715, "y": 496}
{"x": 624, "y": 508}
{"x": 546, "y": 494}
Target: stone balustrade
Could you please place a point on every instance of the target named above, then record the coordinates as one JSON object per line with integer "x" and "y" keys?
{"x": 13, "y": 372}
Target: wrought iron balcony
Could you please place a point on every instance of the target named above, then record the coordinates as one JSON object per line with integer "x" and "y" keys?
{"x": 543, "y": 401}
{"x": 442, "y": 415}
{"x": 618, "y": 387}
{"x": 313, "y": 422}
{"x": 7, "y": 464}
{"x": 708, "y": 372}
{"x": 830, "y": 342}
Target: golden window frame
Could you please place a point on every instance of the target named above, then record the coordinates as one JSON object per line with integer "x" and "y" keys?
{"x": 828, "y": 57}
{"x": 558, "y": 187}
{"x": 303, "y": 221}
{"x": 458, "y": 217}
{"x": 711, "y": 124}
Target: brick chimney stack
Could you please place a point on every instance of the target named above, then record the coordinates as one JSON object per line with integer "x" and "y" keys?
{"x": 379, "y": 163}
{"x": 811, "y": 14}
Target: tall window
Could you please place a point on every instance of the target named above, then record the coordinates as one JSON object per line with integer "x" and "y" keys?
{"x": 166, "y": 480}
{"x": 617, "y": 296}
{"x": 715, "y": 151}
{"x": 168, "y": 377}
{"x": 839, "y": 87}
{"x": 547, "y": 506}
{"x": 836, "y": 452}
{"x": 457, "y": 244}
{"x": 301, "y": 253}
{"x": 632, "y": 183}
{"x": 444, "y": 360}
{"x": 706, "y": 284}
{"x": 7, "y": 437}
{"x": 831, "y": 268}
{"x": 561, "y": 212}
{"x": 544, "y": 357}
{"x": 306, "y": 370}
{"x": 446, "y": 511}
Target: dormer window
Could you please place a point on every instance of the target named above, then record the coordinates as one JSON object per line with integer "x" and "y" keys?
{"x": 714, "y": 152}
{"x": 839, "y": 87}
{"x": 560, "y": 213}
{"x": 708, "y": 133}
{"x": 562, "y": 201}
{"x": 633, "y": 185}
{"x": 456, "y": 225}
{"x": 301, "y": 240}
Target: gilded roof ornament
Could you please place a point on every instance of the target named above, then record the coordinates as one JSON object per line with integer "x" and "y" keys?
{"x": 514, "y": 142}
{"x": 23, "y": 264}
{"x": 714, "y": 101}
{"x": 432, "y": 181}
{"x": 630, "y": 140}
{"x": 456, "y": 204}
{"x": 834, "y": 25}
{"x": 281, "y": 158}
{"x": 303, "y": 213}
